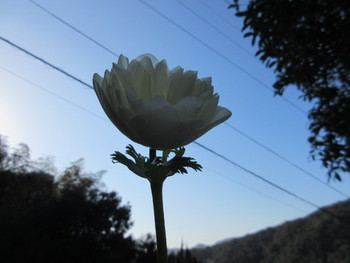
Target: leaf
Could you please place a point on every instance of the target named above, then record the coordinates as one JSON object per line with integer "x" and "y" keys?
{"x": 179, "y": 152}
{"x": 165, "y": 155}
{"x": 248, "y": 34}
{"x": 239, "y": 14}
{"x": 178, "y": 164}
{"x": 118, "y": 157}
{"x": 160, "y": 168}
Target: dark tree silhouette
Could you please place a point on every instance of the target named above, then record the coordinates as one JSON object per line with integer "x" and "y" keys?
{"x": 146, "y": 250}
{"x": 184, "y": 255}
{"x": 320, "y": 237}
{"x": 64, "y": 220}
{"x": 307, "y": 43}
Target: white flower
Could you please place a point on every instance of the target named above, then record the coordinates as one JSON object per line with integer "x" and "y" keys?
{"x": 156, "y": 107}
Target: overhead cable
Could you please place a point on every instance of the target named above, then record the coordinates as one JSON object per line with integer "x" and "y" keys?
{"x": 201, "y": 145}
{"x": 45, "y": 62}
{"x": 74, "y": 28}
{"x": 214, "y": 28}
{"x": 219, "y": 15}
{"x": 270, "y": 183}
{"x": 181, "y": 28}
{"x": 54, "y": 94}
{"x": 222, "y": 33}
{"x": 285, "y": 160}
{"x": 218, "y": 53}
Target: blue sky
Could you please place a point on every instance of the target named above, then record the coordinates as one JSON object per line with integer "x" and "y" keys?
{"x": 220, "y": 202}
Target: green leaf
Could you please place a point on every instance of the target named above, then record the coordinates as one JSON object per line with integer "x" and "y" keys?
{"x": 165, "y": 155}
{"x": 178, "y": 164}
{"x": 160, "y": 168}
{"x": 179, "y": 152}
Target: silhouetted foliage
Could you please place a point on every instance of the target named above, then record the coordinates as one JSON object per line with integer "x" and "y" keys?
{"x": 182, "y": 256}
{"x": 307, "y": 43}
{"x": 63, "y": 220}
{"x": 146, "y": 250}
{"x": 319, "y": 237}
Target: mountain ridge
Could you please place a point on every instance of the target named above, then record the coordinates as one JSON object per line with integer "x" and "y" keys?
{"x": 318, "y": 237}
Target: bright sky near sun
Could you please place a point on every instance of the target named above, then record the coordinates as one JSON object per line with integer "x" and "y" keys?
{"x": 57, "y": 116}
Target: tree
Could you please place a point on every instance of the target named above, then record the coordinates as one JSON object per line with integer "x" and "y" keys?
{"x": 320, "y": 237}
{"x": 146, "y": 248}
{"x": 65, "y": 220}
{"x": 182, "y": 256}
{"x": 307, "y": 43}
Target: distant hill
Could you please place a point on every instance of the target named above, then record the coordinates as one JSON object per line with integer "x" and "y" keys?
{"x": 318, "y": 238}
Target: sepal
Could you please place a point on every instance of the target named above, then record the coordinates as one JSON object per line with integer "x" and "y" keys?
{"x": 160, "y": 168}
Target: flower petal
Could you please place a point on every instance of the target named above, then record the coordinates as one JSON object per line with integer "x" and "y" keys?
{"x": 221, "y": 115}
{"x": 123, "y": 61}
{"x": 182, "y": 87}
{"x": 156, "y": 107}
{"x": 188, "y": 108}
{"x": 161, "y": 81}
{"x": 142, "y": 80}
{"x": 209, "y": 108}
{"x": 153, "y": 59}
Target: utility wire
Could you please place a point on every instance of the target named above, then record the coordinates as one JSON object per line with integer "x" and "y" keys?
{"x": 74, "y": 28}
{"x": 214, "y": 27}
{"x": 45, "y": 62}
{"x": 54, "y": 94}
{"x": 271, "y": 183}
{"x": 219, "y": 15}
{"x": 257, "y": 176}
{"x": 253, "y": 189}
{"x": 219, "y": 31}
{"x": 218, "y": 53}
{"x": 181, "y": 28}
{"x": 285, "y": 159}
{"x": 200, "y": 145}
{"x": 89, "y": 86}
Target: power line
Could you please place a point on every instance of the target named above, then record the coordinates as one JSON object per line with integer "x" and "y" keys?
{"x": 52, "y": 93}
{"x": 105, "y": 119}
{"x": 285, "y": 159}
{"x": 45, "y": 62}
{"x": 240, "y": 132}
{"x": 181, "y": 28}
{"x": 218, "y": 53}
{"x": 219, "y": 15}
{"x": 215, "y": 28}
{"x": 201, "y": 145}
{"x": 253, "y": 189}
{"x": 270, "y": 183}
{"x": 256, "y": 175}
{"x": 74, "y": 28}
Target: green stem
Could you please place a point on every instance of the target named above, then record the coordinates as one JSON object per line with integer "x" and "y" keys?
{"x": 152, "y": 154}
{"x": 157, "y": 196}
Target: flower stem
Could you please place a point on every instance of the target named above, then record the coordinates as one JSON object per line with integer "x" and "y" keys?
{"x": 157, "y": 196}
{"x": 152, "y": 154}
